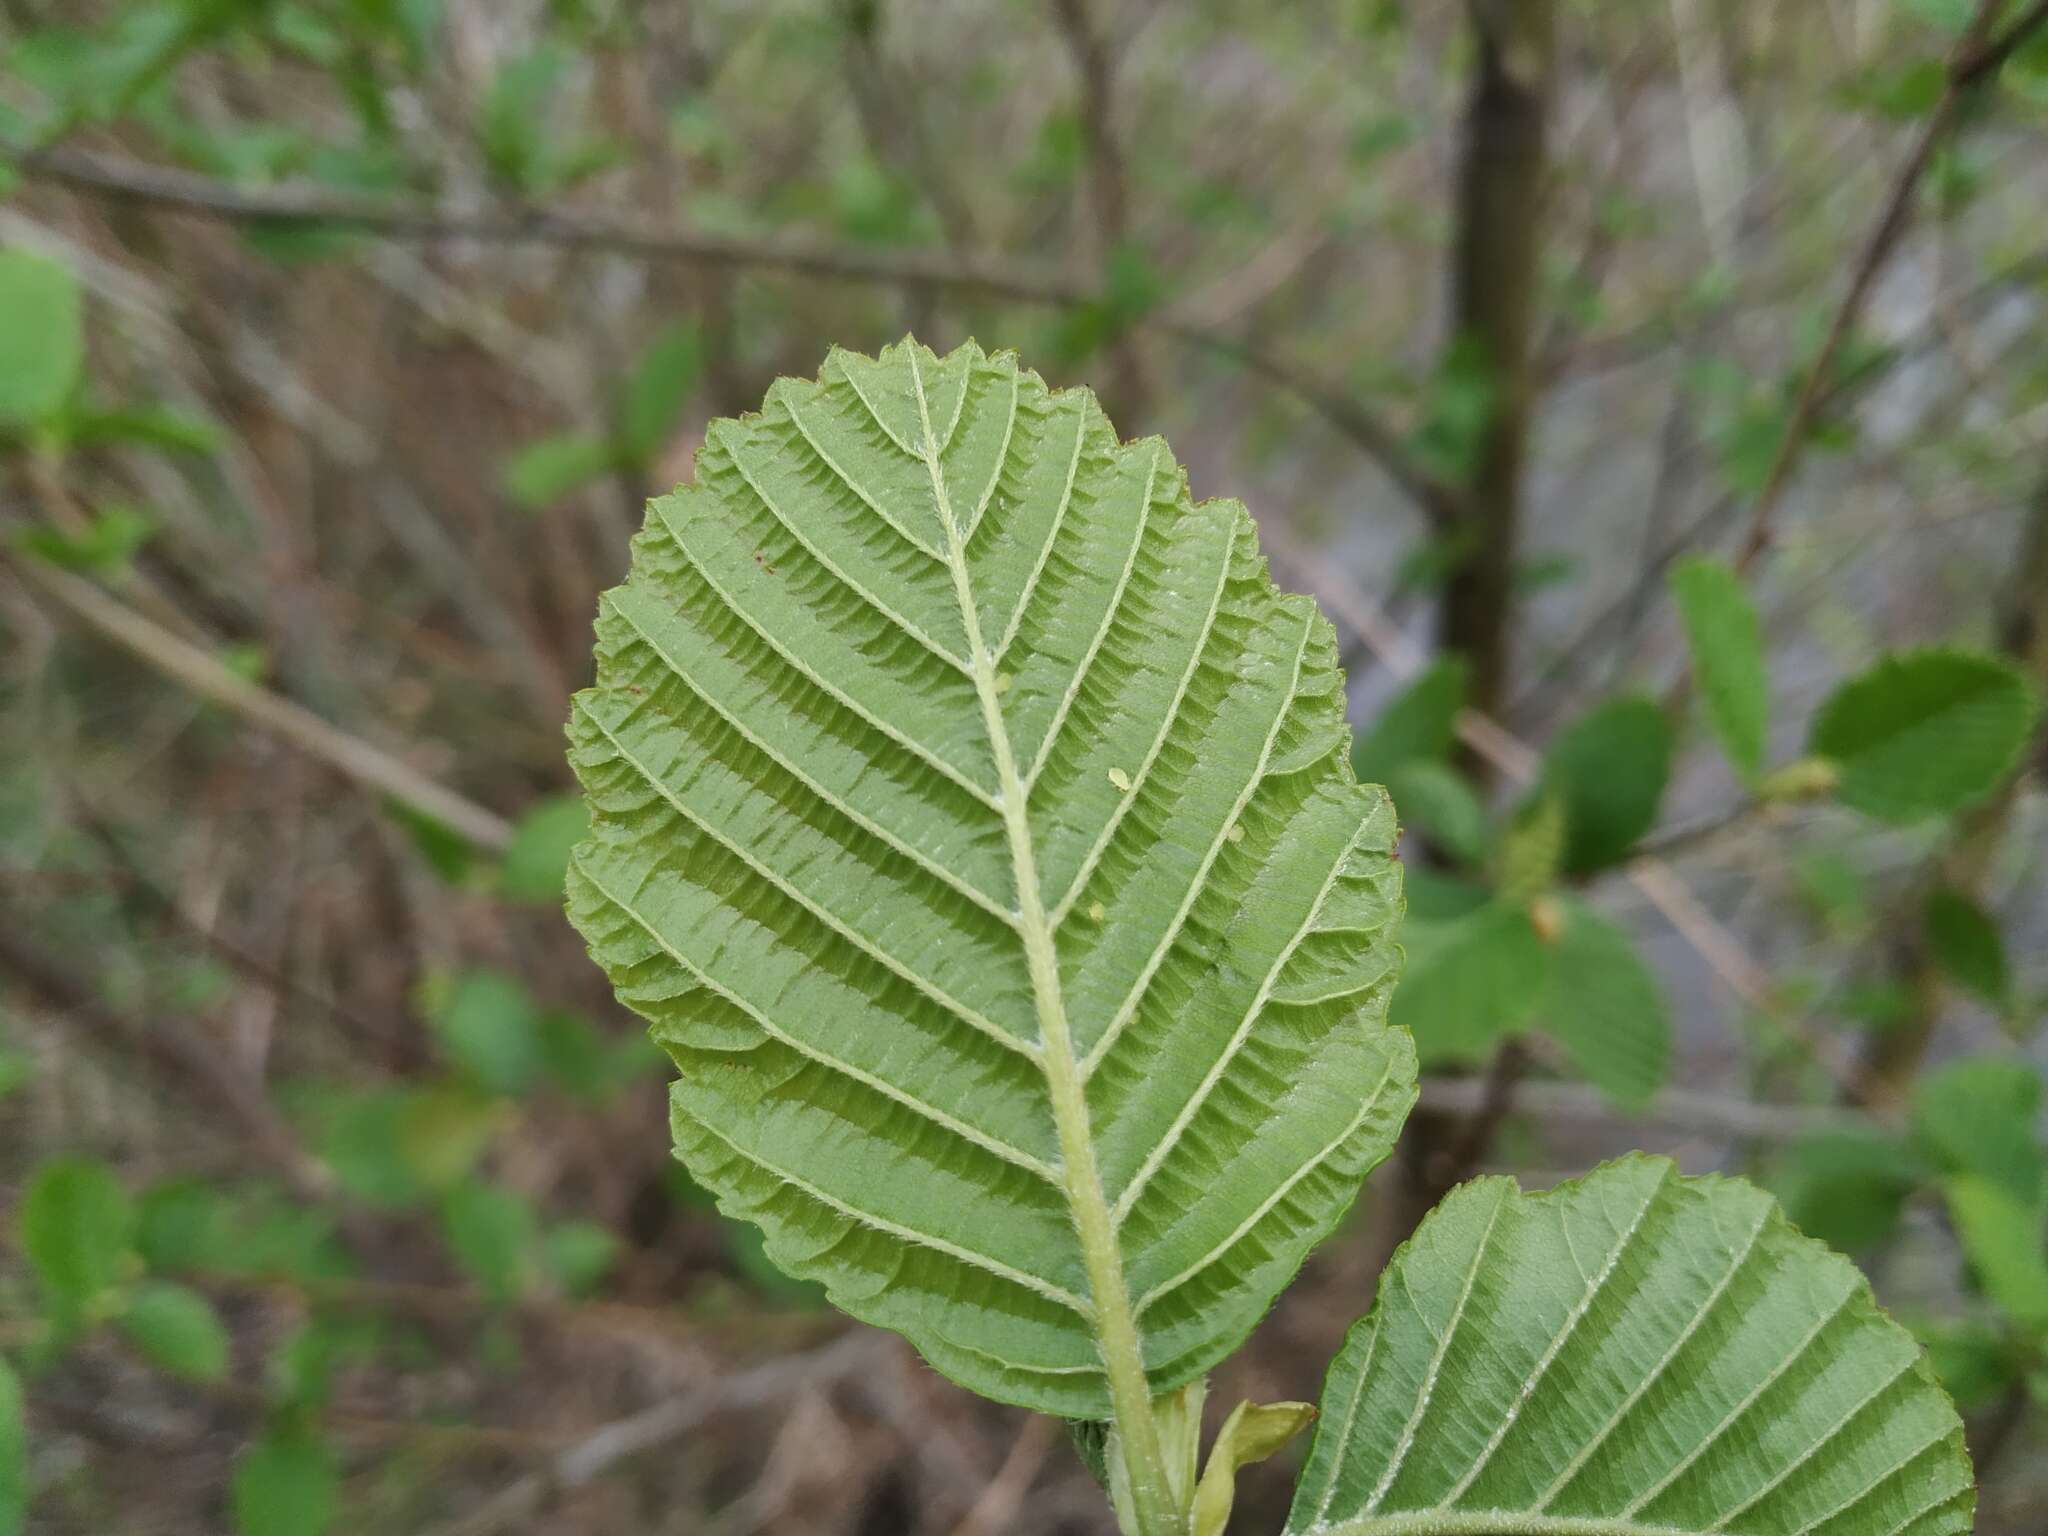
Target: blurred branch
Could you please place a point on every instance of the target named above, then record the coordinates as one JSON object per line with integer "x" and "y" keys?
{"x": 1108, "y": 185}
{"x": 1676, "y": 1108}
{"x": 192, "y": 668}
{"x": 206, "y": 197}
{"x": 50, "y": 986}
{"x": 1977, "y": 58}
{"x": 596, "y": 1454}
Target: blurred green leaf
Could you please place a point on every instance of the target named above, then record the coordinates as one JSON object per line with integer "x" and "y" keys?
{"x": 1456, "y": 407}
{"x": 1924, "y": 733}
{"x": 2006, "y": 1242}
{"x": 537, "y": 863}
{"x": 1727, "y": 657}
{"x": 77, "y": 1228}
{"x": 183, "y": 1224}
{"x": 1964, "y": 941}
{"x": 177, "y": 1328}
{"x": 1605, "y": 1008}
{"x": 105, "y": 547}
{"x": 13, "y": 1453}
{"x": 445, "y": 1129}
{"x": 1434, "y": 799}
{"x": 1608, "y": 769}
{"x": 42, "y": 338}
{"x": 286, "y": 1485}
{"x": 14, "y": 1070}
{"x": 152, "y": 426}
{"x": 1975, "y": 1363}
{"x": 360, "y": 1135}
{"x": 1419, "y": 723}
{"x": 493, "y": 1234}
{"x": 447, "y": 852}
{"x": 1980, "y": 1116}
{"x": 579, "y": 1254}
{"x": 657, "y": 391}
{"x": 1469, "y": 982}
{"x": 551, "y": 468}
{"x": 1848, "y": 1189}
{"x": 490, "y": 1027}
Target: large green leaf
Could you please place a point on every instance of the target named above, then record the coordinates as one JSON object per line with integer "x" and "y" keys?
{"x": 1632, "y": 1354}
{"x": 973, "y": 822}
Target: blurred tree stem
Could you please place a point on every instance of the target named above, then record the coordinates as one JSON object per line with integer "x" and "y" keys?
{"x": 1496, "y": 279}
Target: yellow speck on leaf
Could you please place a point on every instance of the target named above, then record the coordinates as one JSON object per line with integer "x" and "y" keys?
{"x": 1236, "y": 833}
{"x": 1003, "y": 681}
{"x": 1120, "y": 779}
{"x": 1095, "y": 912}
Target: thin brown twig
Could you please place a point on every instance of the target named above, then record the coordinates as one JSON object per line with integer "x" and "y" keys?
{"x": 1974, "y": 60}
{"x": 192, "y": 668}
{"x": 181, "y": 192}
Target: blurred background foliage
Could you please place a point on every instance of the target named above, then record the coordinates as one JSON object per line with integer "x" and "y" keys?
{"x": 1653, "y": 394}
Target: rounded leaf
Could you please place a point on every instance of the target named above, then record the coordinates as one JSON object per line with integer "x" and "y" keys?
{"x": 973, "y": 822}
{"x": 177, "y": 1328}
{"x": 1924, "y": 733}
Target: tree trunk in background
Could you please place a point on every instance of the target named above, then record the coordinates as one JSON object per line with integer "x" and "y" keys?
{"x": 1495, "y": 281}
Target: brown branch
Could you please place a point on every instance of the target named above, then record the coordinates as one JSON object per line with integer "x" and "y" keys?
{"x": 1974, "y": 61}
{"x": 192, "y": 668}
{"x": 182, "y": 193}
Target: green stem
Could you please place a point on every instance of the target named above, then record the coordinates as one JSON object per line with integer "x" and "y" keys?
{"x": 1116, "y": 1325}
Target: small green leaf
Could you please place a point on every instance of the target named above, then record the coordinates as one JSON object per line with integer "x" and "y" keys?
{"x": 490, "y": 1027}
{"x": 1419, "y": 724}
{"x": 1437, "y": 802}
{"x": 105, "y": 546}
{"x": 493, "y": 1234}
{"x": 177, "y": 1328}
{"x": 1727, "y": 658}
{"x": 657, "y": 392}
{"x": 2006, "y": 1242}
{"x": 78, "y": 1229}
{"x": 42, "y": 338}
{"x": 1847, "y": 1189}
{"x": 1631, "y": 1352}
{"x": 1470, "y": 982}
{"x": 1609, "y": 769}
{"x": 155, "y": 426}
{"x": 1606, "y": 1008}
{"x": 444, "y": 1129}
{"x": 537, "y": 864}
{"x": 1253, "y": 1432}
{"x": 1978, "y": 1116}
{"x": 550, "y": 468}
{"x": 1964, "y": 941}
{"x": 1925, "y": 733}
{"x": 579, "y": 1254}
{"x": 286, "y": 1485}
{"x": 13, "y": 1453}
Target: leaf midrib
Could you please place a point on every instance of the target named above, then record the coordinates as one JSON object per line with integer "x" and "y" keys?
{"x": 1115, "y": 1321}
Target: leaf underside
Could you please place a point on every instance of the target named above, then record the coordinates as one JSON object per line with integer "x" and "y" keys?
{"x": 1632, "y": 1354}
{"x": 897, "y": 604}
